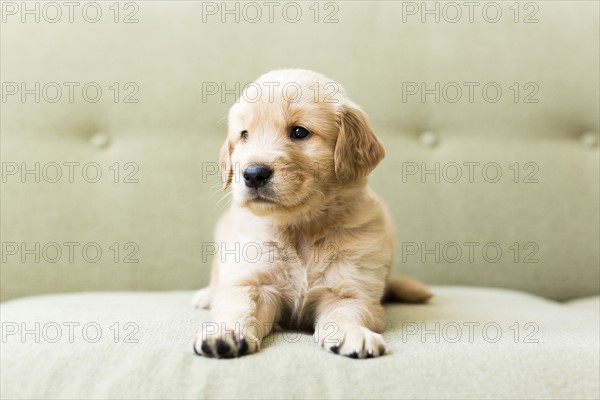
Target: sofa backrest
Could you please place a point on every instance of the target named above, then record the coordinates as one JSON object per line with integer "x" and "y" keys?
{"x": 112, "y": 118}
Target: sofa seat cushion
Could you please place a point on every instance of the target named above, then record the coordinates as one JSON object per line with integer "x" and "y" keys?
{"x": 591, "y": 303}
{"x": 467, "y": 342}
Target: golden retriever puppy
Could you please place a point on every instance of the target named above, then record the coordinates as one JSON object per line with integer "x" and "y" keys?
{"x": 305, "y": 243}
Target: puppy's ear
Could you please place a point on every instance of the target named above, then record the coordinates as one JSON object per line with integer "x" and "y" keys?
{"x": 225, "y": 164}
{"x": 357, "y": 150}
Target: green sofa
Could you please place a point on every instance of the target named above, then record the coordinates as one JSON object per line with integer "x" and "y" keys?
{"x": 112, "y": 116}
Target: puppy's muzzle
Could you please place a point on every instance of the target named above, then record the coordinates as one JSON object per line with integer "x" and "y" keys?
{"x": 257, "y": 175}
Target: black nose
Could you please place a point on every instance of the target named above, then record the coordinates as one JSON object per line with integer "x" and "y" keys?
{"x": 257, "y": 175}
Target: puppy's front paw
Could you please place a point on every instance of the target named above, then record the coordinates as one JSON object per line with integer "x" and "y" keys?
{"x": 355, "y": 342}
{"x": 226, "y": 343}
{"x": 202, "y": 298}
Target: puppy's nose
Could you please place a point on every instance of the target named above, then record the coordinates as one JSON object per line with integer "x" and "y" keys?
{"x": 257, "y": 175}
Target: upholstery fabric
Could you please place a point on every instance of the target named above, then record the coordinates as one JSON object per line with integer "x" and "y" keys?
{"x": 555, "y": 356}
{"x": 591, "y": 303}
{"x": 168, "y": 141}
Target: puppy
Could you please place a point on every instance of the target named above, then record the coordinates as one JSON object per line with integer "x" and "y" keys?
{"x": 305, "y": 244}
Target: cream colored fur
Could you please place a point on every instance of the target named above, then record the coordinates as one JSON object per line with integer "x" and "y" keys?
{"x": 318, "y": 242}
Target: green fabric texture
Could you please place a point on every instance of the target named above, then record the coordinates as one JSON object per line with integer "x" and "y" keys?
{"x": 521, "y": 346}
{"x": 169, "y": 140}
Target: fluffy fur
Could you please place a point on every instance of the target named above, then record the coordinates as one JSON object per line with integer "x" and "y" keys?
{"x": 312, "y": 248}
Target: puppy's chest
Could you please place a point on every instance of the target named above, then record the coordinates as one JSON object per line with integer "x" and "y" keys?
{"x": 305, "y": 250}
{"x": 309, "y": 262}
{"x": 306, "y": 271}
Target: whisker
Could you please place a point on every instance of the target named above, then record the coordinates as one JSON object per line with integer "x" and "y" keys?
{"x": 226, "y": 196}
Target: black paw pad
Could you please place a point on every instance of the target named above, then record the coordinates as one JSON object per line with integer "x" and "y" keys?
{"x": 222, "y": 348}
{"x": 335, "y": 349}
{"x": 353, "y": 355}
{"x": 242, "y": 347}
{"x": 206, "y": 349}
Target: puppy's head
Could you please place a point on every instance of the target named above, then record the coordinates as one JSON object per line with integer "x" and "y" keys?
{"x": 295, "y": 138}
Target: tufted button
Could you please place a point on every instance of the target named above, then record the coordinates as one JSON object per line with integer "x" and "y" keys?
{"x": 589, "y": 139}
{"x": 99, "y": 140}
{"x": 428, "y": 139}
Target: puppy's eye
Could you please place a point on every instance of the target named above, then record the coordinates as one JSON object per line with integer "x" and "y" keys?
{"x": 244, "y": 135}
{"x": 299, "y": 132}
